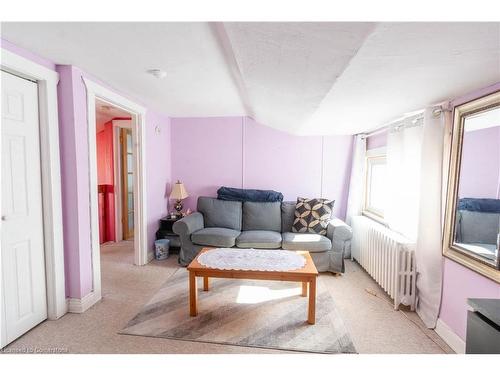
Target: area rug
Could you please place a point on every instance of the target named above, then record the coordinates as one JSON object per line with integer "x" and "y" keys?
{"x": 263, "y": 314}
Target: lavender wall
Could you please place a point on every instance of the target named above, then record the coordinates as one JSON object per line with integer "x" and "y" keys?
{"x": 236, "y": 151}
{"x": 27, "y": 54}
{"x": 480, "y": 166}
{"x": 376, "y": 141}
{"x": 460, "y": 283}
{"x": 75, "y": 183}
{"x": 158, "y": 170}
{"x": 206, "y": 153}
{"x": 279, "y": 161}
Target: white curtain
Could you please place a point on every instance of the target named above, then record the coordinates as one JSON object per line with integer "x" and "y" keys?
{"x": 404, "y": 145}
{"x": 429, "y": 239}
{"x": 356, "y": 184}
{"x": 415, "y": 205}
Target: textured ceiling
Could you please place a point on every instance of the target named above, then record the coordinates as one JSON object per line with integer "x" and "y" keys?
{"x": 402, "y": 67}
{"x": 198, "y": 82}
{"x": 288, "y": 68}
{"x": 303, "y": 78}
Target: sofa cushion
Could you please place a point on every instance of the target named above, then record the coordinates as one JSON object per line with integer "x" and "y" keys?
{"x": 287, "y": 216}
{"x": 259, "y": 239}
{"x": 477, "y": 227}
{"x": 312, "y": 215}
{"x": 262, "y": 216}
{"x": 220, "y": 214}
{"x": 219, "y": 237}
{"x": 305, "y": 241}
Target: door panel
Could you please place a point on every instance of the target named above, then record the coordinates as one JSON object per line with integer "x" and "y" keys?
{"x": 127, "y": 168}
{"x": 23, "y": 261}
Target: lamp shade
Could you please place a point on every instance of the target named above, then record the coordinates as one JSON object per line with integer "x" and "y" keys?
{"x": 178, "y": 191}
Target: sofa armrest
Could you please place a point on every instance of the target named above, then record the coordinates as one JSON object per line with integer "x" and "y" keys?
{"x": 189, "y": 224}
{"x": 340, "y": 234}
{"x": 184, "y": 228}
{"x": 338, "y": 230}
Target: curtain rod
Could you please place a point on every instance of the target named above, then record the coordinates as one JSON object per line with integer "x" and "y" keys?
{"x": 417, "y": 114}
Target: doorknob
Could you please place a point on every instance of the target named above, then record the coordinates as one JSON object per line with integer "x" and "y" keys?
{"x": 4, "y": 217}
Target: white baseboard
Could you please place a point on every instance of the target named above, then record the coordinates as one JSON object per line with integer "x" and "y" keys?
{"x": 451, "y": 338}
{"x": 76, "y": 305}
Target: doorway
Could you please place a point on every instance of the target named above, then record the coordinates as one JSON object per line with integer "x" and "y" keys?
{"x": 115, "y": 173}
{"x": 136, "y": 121}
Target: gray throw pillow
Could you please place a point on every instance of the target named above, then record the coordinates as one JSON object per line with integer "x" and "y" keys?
{"x": 312, "y": 215}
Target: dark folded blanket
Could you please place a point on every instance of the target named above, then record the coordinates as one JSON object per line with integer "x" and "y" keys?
{"x": 252, "y": 195}
{"x": 479, "y": 205}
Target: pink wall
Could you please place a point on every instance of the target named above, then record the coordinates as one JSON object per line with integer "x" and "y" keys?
{"x": 236, "y": 151}
{"x": 105, "y": 176}
{"x": 104, "y": 146}
{"x": 460, "y": 283}
{"x": 480, "y": 167}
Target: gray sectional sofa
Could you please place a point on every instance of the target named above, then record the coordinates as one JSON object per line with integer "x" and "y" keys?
{"x": 260, "y": 225}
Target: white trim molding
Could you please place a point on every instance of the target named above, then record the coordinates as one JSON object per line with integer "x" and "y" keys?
{"x": 80, "y": 305}
{"x": 451, "y": 338}
{"x": 51, "y": 175}
{"x": 96, "y": 91}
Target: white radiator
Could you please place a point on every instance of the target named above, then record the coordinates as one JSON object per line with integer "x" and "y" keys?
{"x": 388, "y": 257}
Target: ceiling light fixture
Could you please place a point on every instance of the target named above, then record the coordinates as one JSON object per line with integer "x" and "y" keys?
{"x": 158, "y": 73}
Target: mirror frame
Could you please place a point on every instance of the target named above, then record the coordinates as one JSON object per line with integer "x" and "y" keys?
{"x": 450, "y": 250}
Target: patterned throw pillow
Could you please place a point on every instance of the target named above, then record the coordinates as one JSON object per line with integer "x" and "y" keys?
{"x": 312, "y": 215}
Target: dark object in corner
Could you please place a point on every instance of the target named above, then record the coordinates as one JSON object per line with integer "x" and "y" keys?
{"x": 166, "y": 232}
{"x": 250, "y": 195}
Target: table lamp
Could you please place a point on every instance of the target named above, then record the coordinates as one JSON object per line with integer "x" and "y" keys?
{"x": 178, "y": 193}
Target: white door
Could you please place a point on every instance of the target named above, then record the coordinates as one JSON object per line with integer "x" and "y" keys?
{"x": 24, "y": 302}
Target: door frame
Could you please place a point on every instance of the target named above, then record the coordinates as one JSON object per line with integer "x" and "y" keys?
{"x": 138, "y": 114}
{"x": 46, "y": 80}
{"x": 117, "y": 125}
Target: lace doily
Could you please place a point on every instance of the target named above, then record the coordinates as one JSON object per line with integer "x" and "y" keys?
{"x": 252, "y": 259}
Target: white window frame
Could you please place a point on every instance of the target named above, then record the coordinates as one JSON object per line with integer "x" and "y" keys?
{"x": 374, "y": 156}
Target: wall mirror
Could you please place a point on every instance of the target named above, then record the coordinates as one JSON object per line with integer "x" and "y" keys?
{"x": 472, "y": 223}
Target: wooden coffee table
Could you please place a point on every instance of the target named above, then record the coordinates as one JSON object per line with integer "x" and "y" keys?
{"x": 305, "y": 275}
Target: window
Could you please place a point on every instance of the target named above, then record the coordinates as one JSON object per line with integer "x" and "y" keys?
{"x": 375, "y": 184}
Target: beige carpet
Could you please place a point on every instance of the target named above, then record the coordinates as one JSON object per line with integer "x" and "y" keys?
{"x": 373, "y": 324}
{"x": 264, "y": 314}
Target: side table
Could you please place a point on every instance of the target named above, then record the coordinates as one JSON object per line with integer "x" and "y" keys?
{"x": 165, "y": 231}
